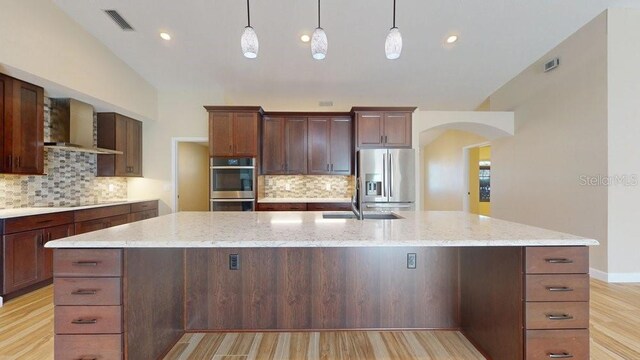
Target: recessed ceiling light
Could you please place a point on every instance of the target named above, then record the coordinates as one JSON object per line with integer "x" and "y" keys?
{"x": 165, "y": 36}
{"x": 305, "y": 38}
{"x": 451, "y": 39}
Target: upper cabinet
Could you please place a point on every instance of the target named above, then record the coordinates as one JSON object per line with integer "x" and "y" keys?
{"x": 234, "y": 130}
{"x": 21, "y": 127}
{"x": 330, "y": 147}
{"x": 284, "y": 145}
{"x": 120, "y": 133}
{"x": 383, "y": 127}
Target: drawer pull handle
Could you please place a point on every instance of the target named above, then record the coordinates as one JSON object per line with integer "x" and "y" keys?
{"x": 559, "y": 317}
{"x": 559, "y": 356}
{"x": 85, "y": 263}
{"x": 45, "y": 221}
{"x": 559, "y": 288}
{"x": 84, "y": 321}
{"x": 84, "y": 292}
{"x": 559, "y": 261}
{"x": 86, "y": 358}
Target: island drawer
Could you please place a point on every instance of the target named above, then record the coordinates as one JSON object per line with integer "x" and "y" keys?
{"x": 143, "y": 206}
{"x": 88, "y": 319}
{"x": 28, "y": 223}
{"x": 87, "y": 262}
{"x": 557, "y": 260}
{"x": 99, "y": 347}
{"x": 557, "y": 344}
{"x": 564, "y": 287}
{"x": 557, "y": 315}
{"x": 87, "y": 291}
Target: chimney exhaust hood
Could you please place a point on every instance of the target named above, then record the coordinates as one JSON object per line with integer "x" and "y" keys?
{"x": 71, "y": 127}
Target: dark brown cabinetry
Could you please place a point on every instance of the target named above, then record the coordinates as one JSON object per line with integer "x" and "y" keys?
{"x": 234, "y": 131}
{"x": 21, "y": 127}
{"x": 330, "y": 149}
{"x": 383, "y": 127}
{"x": 120, "y": 133}
{"x": 304, "y": 207}
{"x": 284, "y": 145}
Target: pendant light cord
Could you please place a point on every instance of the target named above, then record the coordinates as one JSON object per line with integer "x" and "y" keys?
{"x": 249, "y": 15}
{"x": 319, "y": 13}
{"x": 394, "y": 13}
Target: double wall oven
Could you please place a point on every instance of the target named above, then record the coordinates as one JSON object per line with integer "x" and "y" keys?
{"x": 232, "y": 184}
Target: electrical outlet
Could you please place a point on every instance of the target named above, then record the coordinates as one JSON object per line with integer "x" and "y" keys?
{"x": 287, "y": 186}
{"x": 234, "y": 262}
{"x": 327, "y": 187}
{"x": 411, "y": 260}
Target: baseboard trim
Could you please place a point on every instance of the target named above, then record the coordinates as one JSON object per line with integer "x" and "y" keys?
{"x": 614, "y": 277}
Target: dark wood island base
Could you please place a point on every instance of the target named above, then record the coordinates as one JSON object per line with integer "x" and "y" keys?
{"x": 136, "y": 303}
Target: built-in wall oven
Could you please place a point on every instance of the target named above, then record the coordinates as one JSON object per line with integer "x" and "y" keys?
{"x": 232, "y": 184}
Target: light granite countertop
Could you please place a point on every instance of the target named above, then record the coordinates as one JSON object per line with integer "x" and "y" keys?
{"x": 310, "y": 229}
{"x": 303, "y": 200}
{"x": 30, "y": 211}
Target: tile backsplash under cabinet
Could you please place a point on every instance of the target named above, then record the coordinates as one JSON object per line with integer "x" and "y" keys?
{"x": 70, "y": 180}
{"x": 305, "y": 186}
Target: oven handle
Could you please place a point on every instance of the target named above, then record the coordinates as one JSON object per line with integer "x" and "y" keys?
{"x": 232, "y": 200}
{"x": 231, "y": 167}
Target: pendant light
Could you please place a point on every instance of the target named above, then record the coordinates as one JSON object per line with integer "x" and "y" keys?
{"x": 393, "y": 44}
{"x": 319, "y": 42}
{"x": 249, "y": 39}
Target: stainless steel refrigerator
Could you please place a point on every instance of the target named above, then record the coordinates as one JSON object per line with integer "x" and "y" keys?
{"x": 386, "y": 179}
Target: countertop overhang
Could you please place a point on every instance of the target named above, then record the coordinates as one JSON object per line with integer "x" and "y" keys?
{"x": 310, "y": 229}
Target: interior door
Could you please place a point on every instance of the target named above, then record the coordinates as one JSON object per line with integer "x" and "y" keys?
{"x": 401, "y": 175}
{"x": 372, "y": 168}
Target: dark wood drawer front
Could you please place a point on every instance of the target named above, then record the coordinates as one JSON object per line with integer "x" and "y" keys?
{"x": 564, "y": 287}
{"x": 282, "y": 206}
{"x": 329, "y": 207}
{"x": 98, "y": 347}
{"x": 557, "y": 344}
{"x": 87, "y": 291}
{"x": 117, "y": 220}
{"x": 88, "y": 319}
{"x": 557, "y": 260}
{"x": 87, "y": 262}
{"x": 557, "y": 315}
{"x": 143, "y": 215}
{"x": 102, "y": 212}
{"x": 29, "y": 223}
{"x": 144, "y": 206}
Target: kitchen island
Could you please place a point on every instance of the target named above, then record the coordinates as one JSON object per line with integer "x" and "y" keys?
{"x": 515, "y": 291}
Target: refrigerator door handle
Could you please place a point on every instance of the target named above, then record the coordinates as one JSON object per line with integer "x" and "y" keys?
{"x": 390, "y": 177}
{"x": 384, "y": 175}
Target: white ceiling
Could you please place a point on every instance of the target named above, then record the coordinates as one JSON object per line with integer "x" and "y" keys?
{"x": 498, "y": 39}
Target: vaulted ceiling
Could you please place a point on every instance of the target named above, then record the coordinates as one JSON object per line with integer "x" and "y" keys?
{"x": 498, "y": 39}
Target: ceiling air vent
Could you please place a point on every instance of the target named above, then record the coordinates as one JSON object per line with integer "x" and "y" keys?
{"x": 118, "y": 19}
{"x": 551, "y": 64}
{"x": 325, "y": 103}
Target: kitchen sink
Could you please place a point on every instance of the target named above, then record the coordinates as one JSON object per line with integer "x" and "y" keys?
{"x": 367, "y": 215}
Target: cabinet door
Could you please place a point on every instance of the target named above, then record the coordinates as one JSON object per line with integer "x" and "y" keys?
{"x": 296, "y": 145}
{"x": 273, "y": 145}
{"x": 121, "y": 166}
{"x": 341, "y": 153}
{"x": 21, "y": 258}
{"x": 397, "y": 130}
{"x": 4, "y": 94}
{"x": 370, "y": 129}
{"x": 133, "y": 153}
{"x": 27, "y": 123}
{"x": 318, "y": 142}
{"x": 52, "y": 233}
{"x": 221, "y": 134}
{"x": 245, "y": 134}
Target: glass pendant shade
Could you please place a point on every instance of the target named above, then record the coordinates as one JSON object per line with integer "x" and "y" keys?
{"x": 249, "y": 43}
{"x": 319, "y": 44}
{"x": 393, "y": 44}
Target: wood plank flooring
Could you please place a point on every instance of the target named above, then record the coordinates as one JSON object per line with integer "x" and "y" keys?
{"x": 26, "y": 331}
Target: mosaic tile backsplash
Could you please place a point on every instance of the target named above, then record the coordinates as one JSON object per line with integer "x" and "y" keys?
{"x": 306, "y": 186}
{"x": 70, "y": 180}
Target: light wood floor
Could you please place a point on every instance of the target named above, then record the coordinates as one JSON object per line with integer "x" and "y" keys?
{"x": 26, "y": 331}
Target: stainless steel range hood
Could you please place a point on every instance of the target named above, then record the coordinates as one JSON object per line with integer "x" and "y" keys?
{"x": 71, "y": 127}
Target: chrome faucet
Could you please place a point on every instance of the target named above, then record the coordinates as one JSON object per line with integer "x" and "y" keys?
{"x": 357, "y": 210}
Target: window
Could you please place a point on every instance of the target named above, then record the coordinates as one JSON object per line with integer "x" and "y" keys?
{"x": 485, "y": 180}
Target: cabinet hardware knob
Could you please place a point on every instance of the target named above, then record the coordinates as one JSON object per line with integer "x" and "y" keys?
{"x": 381, "y": 139}
{"x": 40, "y": 240}
{"x": 84, "y": 292}
{"x": 84, "y": 321}
{"x": 331, "y": 167}
{"x": 327, "y": 167}
{"x": 559, "y": 261}
{"x": 48, "y": 236}
{"x": 85, "y": 263}
{"x": 559, "y": 356}
{"x": 18, "y": 161}
{"x": 558, "y": 288}
{"x": 559, "y": 317}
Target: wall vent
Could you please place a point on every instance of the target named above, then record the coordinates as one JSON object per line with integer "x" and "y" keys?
{"x": 118, "y": 19}
{"x": 326, "y": 103}
{"x": 551, "y": 64}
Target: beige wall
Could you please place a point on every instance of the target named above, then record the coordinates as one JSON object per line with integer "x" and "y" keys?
{"x": 41, "y": 44}
{"x": 561, "y": 135}
{"x": 193, "y": 177}
{"x": 444, "y": 185}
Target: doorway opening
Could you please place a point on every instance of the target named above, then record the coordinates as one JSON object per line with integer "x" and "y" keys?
{"x": 191, "y": 174}
{"x": 477, "y": 179}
